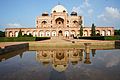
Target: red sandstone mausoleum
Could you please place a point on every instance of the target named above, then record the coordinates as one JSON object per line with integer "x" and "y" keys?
{"x": 59, "y": 23}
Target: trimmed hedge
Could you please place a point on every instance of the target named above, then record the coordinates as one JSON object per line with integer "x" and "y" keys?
{"x": 112, "y": 38}
{"x": 41, "y": 38}
{"x": 20, "y": 39}
{"x": 101, "y": 38}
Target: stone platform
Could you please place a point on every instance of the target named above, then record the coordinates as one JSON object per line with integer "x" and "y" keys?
{"x": 12, "y": 46}
{"x": 72, "y": 43}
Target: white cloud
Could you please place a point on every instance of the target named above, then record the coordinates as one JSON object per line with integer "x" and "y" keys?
{"x": 13, "y": 25}
{"x": 102, "y": 17}
{"x": 112, "y": 12}
{"x": 86, "y": 3}
{"x": 90, "y": 13}
{"x": 77, "y": 9}
{"x": 86, "y": 11}
{"x": 83, "y": 8}
{"x": 113, "y": 61}
{"x": 110, "y": 16}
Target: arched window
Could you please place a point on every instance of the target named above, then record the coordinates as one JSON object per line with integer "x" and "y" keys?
{"x": 75, "y": 23}
{"x": 28, "y": 32}
{"x": 41, "y": 33}
{"x": 23, "y": 32}
{"x": 64, "y": 11}
{"x": 53, "y": 33}
{"x": 48, "y": 33}
{"x": 109, "y": 32}
{"x": 54, "y": 11}
{"x": 16, "y": 33}
{"x": 103, "y": 33}
{"x": 98, "y": 32}
{"x": 34, "y": 33}
{"x": 10, "y": 34}
{"x": 44, "y": 23}
{"x": 37, "y": 22}
{"x": 66, "y": 33}
{"x": 73, "y": 33}
{"x": 85, "y": 33}
{"x": 59, "y": 20}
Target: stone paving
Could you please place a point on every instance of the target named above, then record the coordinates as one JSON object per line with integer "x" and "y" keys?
{"x": 71, "y": 43}
{"x": 4, "y": 44}
{"x": 62, "y": 42}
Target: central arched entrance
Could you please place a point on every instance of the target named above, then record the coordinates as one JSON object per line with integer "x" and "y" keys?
{"x": 59, "y": 22}
{"x": 60, "y": 33}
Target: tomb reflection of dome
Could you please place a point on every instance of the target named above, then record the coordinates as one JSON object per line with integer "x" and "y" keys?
{"x": 60, "y": 68}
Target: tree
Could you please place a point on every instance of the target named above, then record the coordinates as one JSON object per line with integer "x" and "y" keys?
{"x": 20, "y": 33}
{"x": 81, "y": 31}
{"x": 2, "y": 34}
{"x": 93, "y": 31}
{"x": 30, "y": 35}
{"x": 117, "y": 32}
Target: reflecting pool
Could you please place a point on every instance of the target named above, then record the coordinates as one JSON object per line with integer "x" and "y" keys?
{"x": 60, "y": 64}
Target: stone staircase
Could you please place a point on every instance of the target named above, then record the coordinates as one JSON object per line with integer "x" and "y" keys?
{"x": 58, "y": 39}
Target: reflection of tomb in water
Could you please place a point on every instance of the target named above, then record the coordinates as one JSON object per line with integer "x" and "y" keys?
{"x": 87, "y": 59}
{"x": 93, "y": 52}
{"x": 60, "y": 58}
{"x": 43, "y": 56}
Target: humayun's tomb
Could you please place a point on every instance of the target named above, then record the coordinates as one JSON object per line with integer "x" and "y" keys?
{"x": 59, "y": 23}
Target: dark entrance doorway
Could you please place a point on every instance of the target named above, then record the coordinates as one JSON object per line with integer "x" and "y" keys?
{"x": 60, "y": 33}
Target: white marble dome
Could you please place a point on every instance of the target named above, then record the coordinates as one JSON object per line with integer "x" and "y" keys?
{"x": 59, "y": 8}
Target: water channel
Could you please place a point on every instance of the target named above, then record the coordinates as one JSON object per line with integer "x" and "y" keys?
{"x": 60, "y": 64}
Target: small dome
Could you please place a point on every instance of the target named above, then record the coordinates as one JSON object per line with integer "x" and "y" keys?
{"x": 59, "y": 8}
{"x": 45, "y": 14}
{"x": 74, "y": 13}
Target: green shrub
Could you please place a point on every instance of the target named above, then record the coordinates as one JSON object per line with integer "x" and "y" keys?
{"x": 93, "y": 38}
{"x": 16, "y": 39}
{"x": 20, "y": 39}
{"x": 41, "y": 38}
{"x": 112, "y": 37}
{"x": 25, "y": 35}
{"x": 101, "y": 38}
{"x": 2, "y": 34}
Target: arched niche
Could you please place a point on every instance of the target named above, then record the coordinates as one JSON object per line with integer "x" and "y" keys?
{"x": 10, "y": 34}
{"x": 109, "y": 32}
{"x": 44, "y": 23}
{"x": 47, "y": 33}
{"x": 85, "y": 33}
{"x": 16, "y": 33}
{"x": 41, "y": 33}
{"x": 66, "y": 33}
{"x": 103, "y": 33}
{"x": 59, "y": 22}
{"x": 53, "y": 33}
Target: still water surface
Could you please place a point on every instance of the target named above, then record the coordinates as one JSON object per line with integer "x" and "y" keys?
{"x": 60, "y": 64}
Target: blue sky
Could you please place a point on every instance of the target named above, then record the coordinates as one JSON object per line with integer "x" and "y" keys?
{"x": 22, "y": 13}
